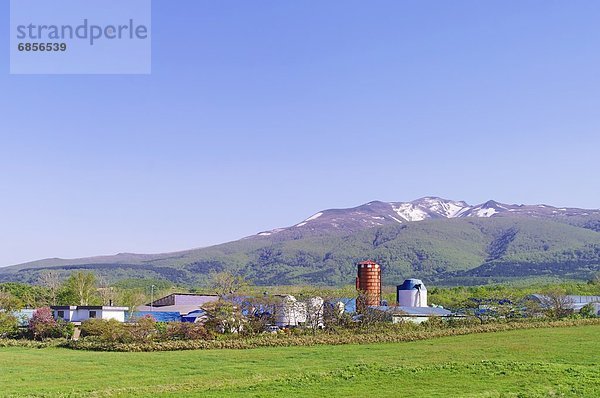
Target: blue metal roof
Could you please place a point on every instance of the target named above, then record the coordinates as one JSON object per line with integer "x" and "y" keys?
{"x": 192, "y": 316}
{"x": 410, "y": 284}
{"x": 158, "y": 316}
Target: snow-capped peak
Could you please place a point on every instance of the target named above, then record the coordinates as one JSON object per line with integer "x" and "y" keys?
{"x": 378, "y": 213}
{"x": 442, "y": 207}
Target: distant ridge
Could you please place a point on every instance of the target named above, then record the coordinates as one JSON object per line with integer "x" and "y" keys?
{"x": 438, "y": 240}
{"x": 378, "y": 213}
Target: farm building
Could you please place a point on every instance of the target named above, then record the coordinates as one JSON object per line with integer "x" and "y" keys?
{"x": 399, "y": 314}
{"x": 573, "y": 301}
{"x": 411, "y": 297}
{"x": 186, "y": 299}
{"x": 176, "y": 307}
{"x": 73, "y": 313}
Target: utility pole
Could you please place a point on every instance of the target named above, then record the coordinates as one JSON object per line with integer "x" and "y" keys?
{"x": 152, "y": 298}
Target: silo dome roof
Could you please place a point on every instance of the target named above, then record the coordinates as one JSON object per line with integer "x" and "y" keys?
{"x": 411, "y": 284}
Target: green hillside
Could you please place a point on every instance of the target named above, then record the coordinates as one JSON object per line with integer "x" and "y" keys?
{"x": 442, "y": 250}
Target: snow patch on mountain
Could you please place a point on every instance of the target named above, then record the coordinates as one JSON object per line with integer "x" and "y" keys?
{"x": 314, "y": 217}
{"x": 410, "y": 212}
{"x": 486, "y": 212}
{"x": 439, "y": 206}
{"x": 396, "y": 219}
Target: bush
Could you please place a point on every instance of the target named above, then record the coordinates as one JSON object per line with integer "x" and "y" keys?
{"x": 145, "y": 330}
{"x": 25, "y": 343}
{"x": 434, "y": 322}
{"x": 224, "y": 317}
{"x": 186, "y": 331}
{"x": 8, "y": 324}
{"x": 107, "y": 330}
{"x": 43, "y": 325}
{"x": 588, "y": 311}
{"x": 94, "y": 327}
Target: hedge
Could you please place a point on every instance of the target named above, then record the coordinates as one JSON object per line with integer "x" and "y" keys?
{"x": 389, "y": 335}
{"x": 25, "y": 343}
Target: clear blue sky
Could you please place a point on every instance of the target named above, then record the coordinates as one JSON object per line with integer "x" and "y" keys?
{"x": 260, "y": 113}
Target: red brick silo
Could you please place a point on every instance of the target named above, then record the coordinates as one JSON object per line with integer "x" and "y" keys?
{"x": 368, "y": 283}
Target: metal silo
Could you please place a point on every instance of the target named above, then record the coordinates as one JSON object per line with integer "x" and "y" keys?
{"x": 411, "y": 293}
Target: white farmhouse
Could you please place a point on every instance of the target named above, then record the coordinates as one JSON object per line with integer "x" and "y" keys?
{"x": 80, "y": 313}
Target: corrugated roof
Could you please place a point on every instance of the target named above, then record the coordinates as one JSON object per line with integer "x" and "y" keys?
{"x": 577, "y": 301}
{"x": 584, "y": 299}
{"x": 181, "y": 309}
{"x": 193, "y": 298}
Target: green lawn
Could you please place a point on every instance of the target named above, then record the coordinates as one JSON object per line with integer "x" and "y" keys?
{"x": 522, "y": 363}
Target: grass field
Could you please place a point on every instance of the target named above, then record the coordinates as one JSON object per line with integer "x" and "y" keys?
{"x": 520, "y": 363}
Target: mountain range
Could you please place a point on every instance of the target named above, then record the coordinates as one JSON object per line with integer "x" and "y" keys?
{"x": 377, "y": 214}
{"x": 441, "y": 241}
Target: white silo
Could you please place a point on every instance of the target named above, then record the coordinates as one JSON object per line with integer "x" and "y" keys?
{"x": 314, "y": 313}
{"x": 290, "y": 312}
{"x": 411, "y": 293}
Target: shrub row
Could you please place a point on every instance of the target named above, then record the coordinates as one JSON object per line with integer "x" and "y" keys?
{"x": 26, "y": 343}
{"x": 378, "y": 335}
{"x": 144, "y": 330}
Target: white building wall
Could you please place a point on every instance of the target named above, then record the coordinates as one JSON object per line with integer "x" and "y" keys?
{"x": 413, "y": 298}
{"x": 68, "y": 315}
{"x": 117, "y": 315}
{"x": 76, "y": 314}
{"x": 414, "y": 319}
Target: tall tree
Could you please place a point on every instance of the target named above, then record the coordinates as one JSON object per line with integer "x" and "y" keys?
{"x": 227, "y": 284}
{"x": 131, "y": 298}
{"x": 8, "y": 321}
{"x": 556, "y": 302}
{"x": 51, "y": 280}
{"x": 8, "y": 302}
{"x": 83, "y": 284}
{"x": 106, "y": 291}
